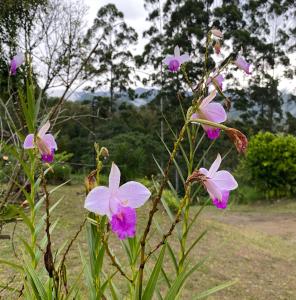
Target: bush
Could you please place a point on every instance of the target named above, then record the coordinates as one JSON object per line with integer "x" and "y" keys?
{"x": 61, "y": 173}
{"x": 171, "y": 200}
{"x": 270, "y": 164}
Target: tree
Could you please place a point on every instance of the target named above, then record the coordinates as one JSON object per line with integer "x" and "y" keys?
{"x": 264, "y": 31}
{"x": 111, "y": 65}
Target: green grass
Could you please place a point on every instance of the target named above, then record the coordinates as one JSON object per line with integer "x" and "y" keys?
{"x": 253, "y": 243}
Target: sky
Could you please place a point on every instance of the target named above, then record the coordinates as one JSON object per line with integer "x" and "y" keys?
{"x": 134, "y": 14}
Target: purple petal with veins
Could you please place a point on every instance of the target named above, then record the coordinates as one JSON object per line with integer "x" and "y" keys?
{"x": 48, "y": 158}
{"x": 213, "y": 133}
{"x": 174, "y": 65}
{"x": 223, "y": 203}
{"x": 124, "y": 222}
{"x": 16, "y": 62}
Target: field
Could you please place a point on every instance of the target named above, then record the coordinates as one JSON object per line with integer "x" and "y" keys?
{"x": 254, "y": 244}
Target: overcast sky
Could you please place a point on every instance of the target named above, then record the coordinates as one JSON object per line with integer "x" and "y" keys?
{"x": 133, "y": 10}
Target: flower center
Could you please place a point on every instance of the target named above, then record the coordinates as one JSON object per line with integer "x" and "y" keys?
{"x": 42, "y": 146}
{"x": 124, "y": 202}
{"x": 174, "y": 65}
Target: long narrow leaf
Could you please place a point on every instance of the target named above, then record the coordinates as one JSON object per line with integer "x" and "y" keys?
{"x": 215, "y": 289}
{"x": 150, "y": 288}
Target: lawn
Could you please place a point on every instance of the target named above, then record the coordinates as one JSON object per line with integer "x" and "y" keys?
{"x": 254, "y": 244}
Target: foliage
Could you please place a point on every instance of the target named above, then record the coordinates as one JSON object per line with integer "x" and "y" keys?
{"x": 170, "y": 199}
{"x": 270, "y": 164}
{"x": 60, "y": 173}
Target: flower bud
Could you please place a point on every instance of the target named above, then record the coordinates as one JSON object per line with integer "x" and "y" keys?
{"x": 104, "y": 152}
{"x": 217, "y": 33}
{"x": 227, "y": 104}
{"x": 90, "y": 181}
{"x": 195, "y": 177}
{"x": 239, "y": 139}
{"x": 217, "y": 47}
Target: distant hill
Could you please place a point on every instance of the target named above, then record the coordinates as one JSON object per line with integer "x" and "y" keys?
{"x": 143, "y": 96}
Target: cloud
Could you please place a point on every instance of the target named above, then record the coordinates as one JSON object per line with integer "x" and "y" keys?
{"x": 132, "y": 9}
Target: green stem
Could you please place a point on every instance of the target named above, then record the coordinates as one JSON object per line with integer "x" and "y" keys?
{"x": 209, "y": 123}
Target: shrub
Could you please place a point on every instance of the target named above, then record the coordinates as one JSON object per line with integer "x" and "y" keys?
{"x": 270, "y": 164}
{"x": 171, "y": 200}
{"x": 61, "y": 173}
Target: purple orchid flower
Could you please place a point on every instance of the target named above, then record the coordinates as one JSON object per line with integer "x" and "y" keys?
{"x": 218, "y": 183}
{"x": 16, "y": 62}
{"x": 124, "y": 222}
{"x": 241, "y": 63}
{"x": 175, "y": 61}
{"x": 217, "y": 79}
{"x": 111, "y": 200}
{"x": 45, "y": 142}
{"x": 213, "y": 112}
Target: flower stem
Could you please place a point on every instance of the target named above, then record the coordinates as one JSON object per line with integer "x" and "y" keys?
{"x": 206, "y": 122}
{"x": 154, "y": 206}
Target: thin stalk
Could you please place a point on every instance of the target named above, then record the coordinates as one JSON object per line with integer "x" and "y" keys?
{"x": 154, "y": 206}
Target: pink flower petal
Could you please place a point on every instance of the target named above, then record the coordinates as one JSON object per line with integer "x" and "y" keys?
{"x": 208, "y": 99}
{"x": 225, "y": 181}
{"x": 13, "y": 67}
{"x": 16, "y": 62}
{"x": 215, "y": 166}
{"x": 168, "y": 59}
{"x": 133, "y": 194}
{"x": 204, "y": 171}
{"x": 29, "y": 142}
{"x": 214, "y": 112}
{"x": 42, "y": 131}
{"x": 177, "y": 51}
{"x": 184, "y": 58}
{"x": 213, "y": 190}
{"x": 194, "y": 116}
{"x": 217, "y": 33}
{"x": 97, "y": 201}
{"x": 219, "y": 80}
{"x": 50, "y": 141}
{"x": 242, "y": 64}
{"x": 19, "y": 59}
{"x": 114, "y": 178}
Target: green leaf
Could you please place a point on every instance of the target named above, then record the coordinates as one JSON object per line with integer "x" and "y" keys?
{"x": 37, "y": 285}
{"x": 11, "y": 264}
{"x": 114, "y": 291}
{"x": 150, "y": 288}
{"x": 215, "y": 289}
{"x": 195, "y": 242}
{"x": 181, "y": 279}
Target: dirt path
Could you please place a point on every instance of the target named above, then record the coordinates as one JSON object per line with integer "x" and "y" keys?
{"x": 259, "y": 249}
{"x": 274, "y": 224}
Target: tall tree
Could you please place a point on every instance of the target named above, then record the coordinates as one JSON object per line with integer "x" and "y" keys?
{"x": 112, "y": 63}
{"x": 265, "y": 32}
